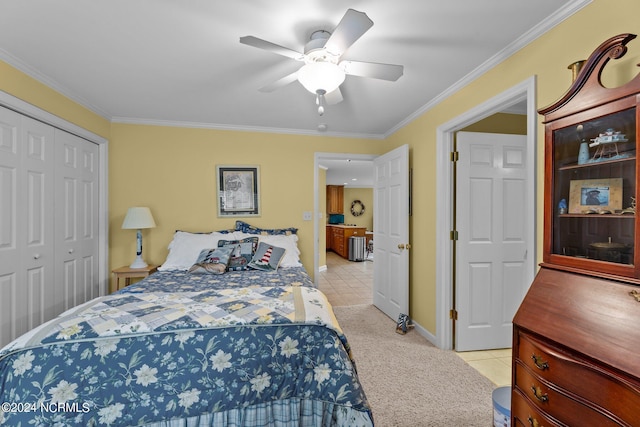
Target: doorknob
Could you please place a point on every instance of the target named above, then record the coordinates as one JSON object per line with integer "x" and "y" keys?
{"x": 408, "y": 246}
{"x": 401, "y": 246}
{"x": 36, "y": 256}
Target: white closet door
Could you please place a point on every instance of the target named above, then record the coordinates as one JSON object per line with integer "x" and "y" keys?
{"x": 10, "y": 256}
{"x": 26, "y": 223}
{"x": 76, "y": 220}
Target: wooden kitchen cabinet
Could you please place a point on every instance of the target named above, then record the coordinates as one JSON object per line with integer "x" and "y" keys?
{"x": 575, "y": 336}
{"x": 339, "y": 240}
{"x": 335, "y": 199}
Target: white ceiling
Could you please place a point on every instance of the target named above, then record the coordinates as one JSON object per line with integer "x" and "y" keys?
{"x": 353, "y": 173}
{"x": 178, "y": 62}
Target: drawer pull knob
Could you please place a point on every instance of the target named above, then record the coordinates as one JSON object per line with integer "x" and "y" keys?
{"x": 540, "y": 364}
{"x": 537, "y": 392}
{"x": 533, "y": 422}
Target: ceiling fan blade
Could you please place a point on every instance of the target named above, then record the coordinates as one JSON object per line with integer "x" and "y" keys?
{"x": 334, "y": 97}
{"x": 271, "y": 47}
{"x": 351, "y": 27}
{"x": 373, "y": 70}
{"x": 282, "y": 82}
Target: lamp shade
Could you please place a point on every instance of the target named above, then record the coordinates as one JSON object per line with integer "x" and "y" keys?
{"x": 321, "y": 76}
{"x": 137, "y": 218}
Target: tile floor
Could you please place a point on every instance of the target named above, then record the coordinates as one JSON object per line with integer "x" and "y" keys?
{"x": 347, "y": 282}
{"x": 350, "y": 283}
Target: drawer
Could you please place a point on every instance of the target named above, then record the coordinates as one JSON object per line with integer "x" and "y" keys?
{"x": 525, "y": 415}
{"x": 586, "y": 380}
{"x": 552, "y": 401}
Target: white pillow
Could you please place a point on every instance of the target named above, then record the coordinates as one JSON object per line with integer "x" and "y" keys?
{"x": 185, "y": 248}
{"x": 291, "y": 256}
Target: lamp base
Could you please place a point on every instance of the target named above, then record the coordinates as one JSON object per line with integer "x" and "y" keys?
{"x": 138, "y": 263}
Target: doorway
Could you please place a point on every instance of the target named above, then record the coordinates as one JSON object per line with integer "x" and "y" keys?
{"x": 390, "y": 230}
{"x": 445, "y": 222}
{"x": 348, "y": 160}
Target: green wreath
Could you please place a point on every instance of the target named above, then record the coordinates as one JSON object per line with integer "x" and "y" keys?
{"x": 357, "y": 208}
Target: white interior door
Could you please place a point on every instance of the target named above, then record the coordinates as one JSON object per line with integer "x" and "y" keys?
{"x": 492, "y": 221}
{"x": 391, "y": 232}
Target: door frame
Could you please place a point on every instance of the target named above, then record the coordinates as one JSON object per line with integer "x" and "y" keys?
{"x": 317, "y": 163}
{"x": 525, "y": 90}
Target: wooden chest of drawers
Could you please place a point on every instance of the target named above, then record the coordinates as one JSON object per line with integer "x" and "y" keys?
{"x": 576, "y": 353}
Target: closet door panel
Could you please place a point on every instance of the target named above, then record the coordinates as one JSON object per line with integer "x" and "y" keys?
{"x": 88, "y": 214}
{"x": 26, "y": 223}
{"x": 10, "y": 160}
{"x": 77, "y": 177}
{"x": 37, "y": 291}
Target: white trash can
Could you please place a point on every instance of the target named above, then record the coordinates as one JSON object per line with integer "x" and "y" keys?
{"x": 502, "y": 406}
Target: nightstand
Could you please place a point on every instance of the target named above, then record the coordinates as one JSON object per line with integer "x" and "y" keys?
{"x": 127, "y": 273}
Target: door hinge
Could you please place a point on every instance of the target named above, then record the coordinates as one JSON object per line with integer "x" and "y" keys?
{"x": 453, "y": 314}
{"x": 453, "y": 235}
{"x": 455, "y": 156}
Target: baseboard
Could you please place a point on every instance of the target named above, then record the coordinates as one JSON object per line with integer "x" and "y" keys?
{"x": 428, "y": 335}
{"x": 322, "y": 268}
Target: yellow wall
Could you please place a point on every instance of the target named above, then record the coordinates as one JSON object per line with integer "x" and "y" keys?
{"x": 547, "y": 58}
{"x": 513, "y": 124}
{"x": 172, "y": 170}
{"x": 365, "y": 195}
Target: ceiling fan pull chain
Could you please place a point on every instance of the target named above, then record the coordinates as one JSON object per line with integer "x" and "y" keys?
{"x": 320, "y": 101}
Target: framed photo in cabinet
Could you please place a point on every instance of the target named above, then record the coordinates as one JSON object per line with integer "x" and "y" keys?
{"x": 595, "y": 196}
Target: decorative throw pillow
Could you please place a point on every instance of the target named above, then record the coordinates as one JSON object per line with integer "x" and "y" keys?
{"x": 212, "y": 261}
{"x": 267, "y": 257}
{"x": 289, "y": 244}
{"x": 250, "y": 229}
{"x": 186, "y": 246}
{"x": 242, "y": 252}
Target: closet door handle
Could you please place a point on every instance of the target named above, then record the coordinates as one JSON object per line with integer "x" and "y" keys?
{"x": 36, "y": 256}
{"x": 70, "y": 251}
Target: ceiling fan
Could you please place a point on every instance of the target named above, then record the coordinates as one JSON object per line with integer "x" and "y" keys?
{"x": 323, "y": 71}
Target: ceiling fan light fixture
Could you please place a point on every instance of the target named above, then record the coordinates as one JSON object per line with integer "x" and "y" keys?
{"x": 317, "y": 76}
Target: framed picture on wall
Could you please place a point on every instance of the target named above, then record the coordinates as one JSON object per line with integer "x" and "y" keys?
{"x": 238, "y": 190}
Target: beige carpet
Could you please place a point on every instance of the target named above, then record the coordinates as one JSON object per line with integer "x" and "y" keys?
{"x": 408, "y": 381}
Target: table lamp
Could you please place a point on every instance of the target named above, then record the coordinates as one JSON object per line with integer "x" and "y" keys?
{"x": 138, "y": 218}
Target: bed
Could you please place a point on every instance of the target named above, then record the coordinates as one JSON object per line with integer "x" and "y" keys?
{"x": 184, "y": 347}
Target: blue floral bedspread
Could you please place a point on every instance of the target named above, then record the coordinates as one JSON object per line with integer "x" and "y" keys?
{"x": 139, "y": 358}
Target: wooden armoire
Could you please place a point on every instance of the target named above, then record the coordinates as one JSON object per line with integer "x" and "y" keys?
{"x": 576, "y": 335}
